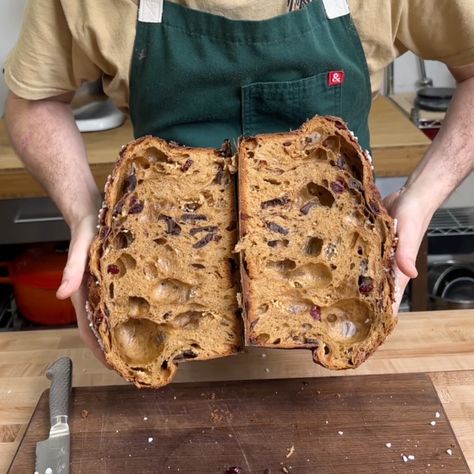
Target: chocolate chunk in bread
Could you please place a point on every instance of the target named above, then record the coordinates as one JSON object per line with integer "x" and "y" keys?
{"x": 316, "y": 244}
{"x": 163, "y": 283}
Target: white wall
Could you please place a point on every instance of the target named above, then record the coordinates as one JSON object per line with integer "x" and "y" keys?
{"x": 11, "y": 12}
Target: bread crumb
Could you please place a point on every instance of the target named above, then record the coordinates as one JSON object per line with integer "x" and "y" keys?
{"x": 405, "y": 459}
{"x": 145, "y": 418}
{"x": 290, "y": 450}
{"x": 84, "y": 413}
{"x": 327, "y": 421}
{"x": 389, "y": 445}
{"x": 263, "y": 355}
{"x": 432, "y": 423}
{"x": 341, "y": 432}
{"x": 150, "y": 439}
{"x": 449, "y": 451}
{"x": 285, "y": 470}
{"x": 411, "y": 457}
{"x": 267, "y": 369}
{"x": 437, "y": 414}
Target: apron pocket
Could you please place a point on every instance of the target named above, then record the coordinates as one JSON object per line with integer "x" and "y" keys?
{"x": 282, "y": 106}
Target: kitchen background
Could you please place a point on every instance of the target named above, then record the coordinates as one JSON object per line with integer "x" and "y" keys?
{"x": 406, "y": 75}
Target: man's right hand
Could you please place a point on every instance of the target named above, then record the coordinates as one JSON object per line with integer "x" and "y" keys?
{"x": 45, "y": 137}
{"x": 73, "y": 283}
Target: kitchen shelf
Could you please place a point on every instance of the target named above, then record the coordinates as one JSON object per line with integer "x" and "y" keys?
{"x": 452, "y": 222}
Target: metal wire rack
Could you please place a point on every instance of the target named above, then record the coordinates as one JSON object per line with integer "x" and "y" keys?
{"x": 454, "y": 221}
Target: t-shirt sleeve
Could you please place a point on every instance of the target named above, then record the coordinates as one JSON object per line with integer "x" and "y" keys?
{"x": 46, "y": 61}
{"x": 441, "y": 30}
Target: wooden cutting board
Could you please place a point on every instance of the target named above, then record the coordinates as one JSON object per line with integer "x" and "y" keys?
{"x": 316, "y": 426}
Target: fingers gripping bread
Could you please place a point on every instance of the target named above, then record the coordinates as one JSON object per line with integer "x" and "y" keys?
{"x": 163, "y": 275}
{"x": 316, "y": 244}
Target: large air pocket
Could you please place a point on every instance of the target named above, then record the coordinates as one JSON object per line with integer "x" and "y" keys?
{"x": 282, "y": 106}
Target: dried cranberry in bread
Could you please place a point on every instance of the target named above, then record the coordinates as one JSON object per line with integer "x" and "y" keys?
{"x": 316, "y": 244}
{"x": 163, "y": 283}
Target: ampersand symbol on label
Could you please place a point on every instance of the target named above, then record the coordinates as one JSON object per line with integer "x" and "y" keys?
{"x": 336, "y": 78}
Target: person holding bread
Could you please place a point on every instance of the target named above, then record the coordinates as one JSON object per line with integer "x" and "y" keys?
{"x": 201, "y": 71}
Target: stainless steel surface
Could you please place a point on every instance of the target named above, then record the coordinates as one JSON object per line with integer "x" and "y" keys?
{"x": 423, "y": 79}
{"x": 454, "y": 221}
{"x": 389, "y": 74}
{"x": 31, "y": 220}
{"x": 460, "y": 289}
{"x": 451, "y": 286}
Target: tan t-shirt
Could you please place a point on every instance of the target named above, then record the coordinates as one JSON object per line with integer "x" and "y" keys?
{"x": 64, "y": 43}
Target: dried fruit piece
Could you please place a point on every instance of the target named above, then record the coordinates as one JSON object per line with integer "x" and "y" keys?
{"x": 338, "y": 186}
{"x": 186, "y": 165}
{"x": 274, "y": 227}
{"x": 225, "y": 151}
{"x": 204, "y": 241}
{"x": 315, "y": 313}
{"x": 136, "y": 206}
{"x": 113, "y": 269}
{"x": 192, "y": 218}
{"x": 118, "y": 209}
{"x": 280, "y": 201}
{"x": 374, "y": 207}
{"x": 307, "y": 207}
{"x": 173, "y": 228}
{"x": 341, "y": 163}
{"x": 366, "y": 285}
{"x": 84, "y": 413}
{"x": 209, "y": 228}
{"x": 188, "y": 354}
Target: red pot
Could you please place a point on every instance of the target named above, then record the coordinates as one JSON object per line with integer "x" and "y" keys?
{"x": 35, "y": 276}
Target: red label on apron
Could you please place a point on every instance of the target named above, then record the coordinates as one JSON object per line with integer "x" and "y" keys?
{"x": 336, "y": 78}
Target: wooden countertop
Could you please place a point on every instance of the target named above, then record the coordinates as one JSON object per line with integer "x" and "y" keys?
{"x": 440, "y": 343}
{"x": 397, "y": 147}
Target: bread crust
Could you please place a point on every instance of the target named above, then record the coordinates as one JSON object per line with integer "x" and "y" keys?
{"x": 262, "y": 308}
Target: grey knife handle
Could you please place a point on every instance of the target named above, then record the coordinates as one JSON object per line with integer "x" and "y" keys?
{"x": 60, "y": 374}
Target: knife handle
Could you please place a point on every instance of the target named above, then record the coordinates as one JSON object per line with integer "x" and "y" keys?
{"x": 60, "y": 374}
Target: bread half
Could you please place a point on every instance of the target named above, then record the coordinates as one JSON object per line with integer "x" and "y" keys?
{"x": 163, "y": 275}
{"x": 316, "y": 244}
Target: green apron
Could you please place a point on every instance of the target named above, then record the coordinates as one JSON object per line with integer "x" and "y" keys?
{"x": 199, "y": 78}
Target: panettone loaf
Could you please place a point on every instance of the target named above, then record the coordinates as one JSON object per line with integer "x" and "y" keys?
{"x": 163, "y": 275}
{"x": 316, "y": 244}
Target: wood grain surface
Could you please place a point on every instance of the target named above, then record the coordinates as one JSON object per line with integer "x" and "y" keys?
{"x": 440, "y": 343}
{"x": 331, "y": 425}
{"x": 397, "y": 147}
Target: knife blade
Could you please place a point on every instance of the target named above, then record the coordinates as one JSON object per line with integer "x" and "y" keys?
{"x": 52, "y": 454}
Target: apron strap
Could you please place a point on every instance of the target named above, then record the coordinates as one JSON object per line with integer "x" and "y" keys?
{"x": 336, "y": 8}
{"x": 150, "y": 11}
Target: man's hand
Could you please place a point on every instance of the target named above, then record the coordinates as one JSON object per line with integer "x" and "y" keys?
{"x": 45, "y": 137}
{"x": 447, "y": 162}
{"x": 73, "y": 284}
{"x": 412, "y": 222}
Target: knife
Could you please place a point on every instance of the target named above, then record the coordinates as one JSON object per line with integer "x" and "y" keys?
{"x": 52, "y": 454}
